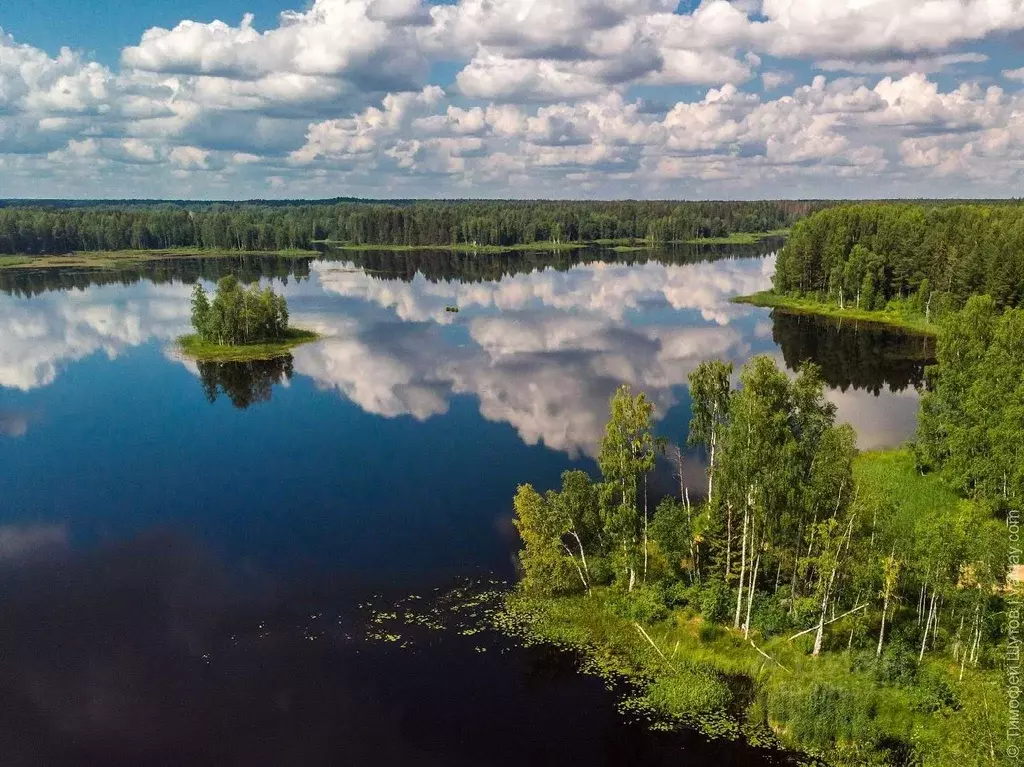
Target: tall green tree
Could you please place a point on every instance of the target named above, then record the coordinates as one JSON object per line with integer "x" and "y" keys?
{"x": 626, "y": 457}
{"x": 710, "y": 390}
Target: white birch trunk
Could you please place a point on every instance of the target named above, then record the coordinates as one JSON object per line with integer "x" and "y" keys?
{"x": 743, "y": 564}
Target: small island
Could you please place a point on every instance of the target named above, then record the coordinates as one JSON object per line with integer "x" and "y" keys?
{"x": 240, "y": 324}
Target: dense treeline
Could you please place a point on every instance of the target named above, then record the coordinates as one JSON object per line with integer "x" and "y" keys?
{"x": 935, "y": 257}
{"x": 263, "y": 227}
{"x": 878, "y": 566}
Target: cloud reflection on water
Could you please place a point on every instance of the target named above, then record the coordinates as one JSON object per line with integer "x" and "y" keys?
{"x": 542, "y": 351}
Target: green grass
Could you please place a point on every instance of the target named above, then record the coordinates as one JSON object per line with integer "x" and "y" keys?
{"x": 9, "y": 261}
{"x": 831, "y": 707}
{"x": 893, "y": 475}
{"x": 192, "y": 346}
{"x": 112, "y": 259}
{"x": 895, "y": 318}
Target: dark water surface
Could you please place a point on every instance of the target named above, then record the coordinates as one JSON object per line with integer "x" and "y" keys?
{"x": 187, "y": 551}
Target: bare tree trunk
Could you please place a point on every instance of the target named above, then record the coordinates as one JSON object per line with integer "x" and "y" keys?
{"x": 927, "y": 624}
{"x": 711, "y": 462}
{"x": 578, "y": 569}
{"x": 743, "y": 563}
{"x": 750, "y": 595}
{"x": 583, "y": 557}
{"x": 694, "y": 571}
{"x": 728, "y": 540}
{"x": 921, "y": 602}
{"x": 881, "y": 631}
{"x": 645, "y": 528}
{"x": 820, "y": 633}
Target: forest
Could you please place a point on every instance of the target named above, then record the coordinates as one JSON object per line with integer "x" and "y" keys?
{"x": 931, "y": 258}
{"x": 862, "y": 598}
{"x": 52, "y": 229}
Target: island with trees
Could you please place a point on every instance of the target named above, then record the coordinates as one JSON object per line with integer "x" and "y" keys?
{"x": 240, "y": 324}
{"x": 901, "y": 264}
{"x": 854, "y": 606}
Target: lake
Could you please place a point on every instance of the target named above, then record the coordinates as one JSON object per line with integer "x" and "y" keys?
{"x": 193, "y": 557}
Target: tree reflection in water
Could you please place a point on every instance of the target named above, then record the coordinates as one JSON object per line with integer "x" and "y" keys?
{"x": 858, "y": 354}
{"x": 244, "y": 383}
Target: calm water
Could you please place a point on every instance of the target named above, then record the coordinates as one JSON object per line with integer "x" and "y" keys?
{"x": 187, "y": 551}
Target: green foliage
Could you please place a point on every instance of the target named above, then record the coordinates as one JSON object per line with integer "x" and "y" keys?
{"x": 671, "y": 532}
{"x": 715, "y": 600}
{"x": 972, "y": 417}
{"x": 40, "y": 229}
{"x": 645, "y": 603}
{"x": 627, "y": 456}
{"x": 682, "y": 594}
{"x": 897, "y": 665}
{"x": 546, "y": 569}
{"x": 690, "y": 693}
{"x": 865, "y": 255}
{"x": 198, "y": 349}
{"x": 822, "y": 715}
{"x": 771, "y": 617}
{"x": 868, "y": 589}
{"x": 709, "y": 632}
{"x": 239, "y": 316}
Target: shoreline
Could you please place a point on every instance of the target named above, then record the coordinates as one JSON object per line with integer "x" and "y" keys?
{"x": 913, "y": 325}
{"x": 114, "y": 259}
{"x": 191, "y": 347}
{"x": 704, "y": 675}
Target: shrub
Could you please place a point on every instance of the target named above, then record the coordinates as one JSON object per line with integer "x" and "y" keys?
{"x": 645, "y": 604}
{"x": 897, "y": 665}
{"x": 771, "y": 617}
{"x": 935, "y": 692}
{"x": 714, "y": 602}
{"x": 679, "y": 594}
{"x": 694, "y": 691}
{"x": 709, "y": 632}
{"x": 822, "y": 715}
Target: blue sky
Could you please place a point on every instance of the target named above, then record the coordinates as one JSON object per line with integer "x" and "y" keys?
{"x": 512, "y": 98}
{"x": 104, "y": 28}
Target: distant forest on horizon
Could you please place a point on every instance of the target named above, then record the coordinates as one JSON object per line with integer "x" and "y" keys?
{"x": 57, "y": 227}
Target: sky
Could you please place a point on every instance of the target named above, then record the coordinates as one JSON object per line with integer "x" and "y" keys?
{"x": 723, "y": 99}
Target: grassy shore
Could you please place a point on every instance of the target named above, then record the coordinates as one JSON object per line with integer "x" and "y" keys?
{"x": 903, "y": 319}
{"x": 111, "y": 259}
{"x": 739, "y": 238}
{"x": 115, "y": 259}
{"x": 192, "y": 346}
{"x": 845, "y": 706}
{"x": 461, "y": 247}
{"x": 7, "y": 262}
